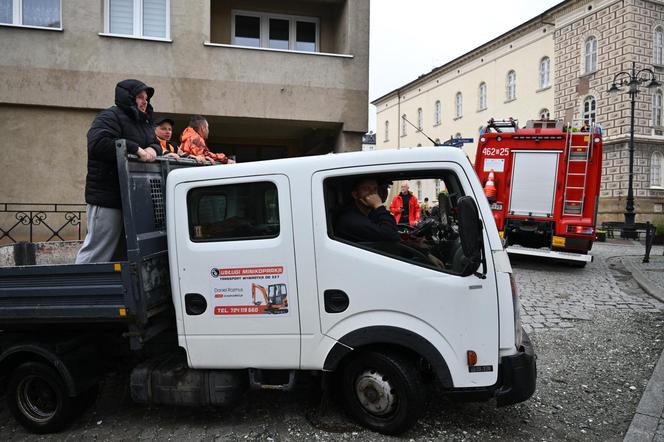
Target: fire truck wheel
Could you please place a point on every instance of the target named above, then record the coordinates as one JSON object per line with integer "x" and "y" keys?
{"x": 383, "y": 391}
{"x": 38, "y": 399}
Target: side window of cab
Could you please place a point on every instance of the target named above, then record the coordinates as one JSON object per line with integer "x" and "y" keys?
{"x": 233, "y": 212}
{"x": 410, "y": 216}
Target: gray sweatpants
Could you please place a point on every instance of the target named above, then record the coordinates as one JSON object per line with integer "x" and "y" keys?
{"x": 104, "y": 231}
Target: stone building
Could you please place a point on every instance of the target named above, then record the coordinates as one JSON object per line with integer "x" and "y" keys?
{"x": 558, "y": 64}
{"x": 274, "y": 79}
{"x": 594, "y": 41}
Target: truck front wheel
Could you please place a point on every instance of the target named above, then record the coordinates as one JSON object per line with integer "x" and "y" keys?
{"x": 38, "y": 399}
{"x": 383, "y": 392}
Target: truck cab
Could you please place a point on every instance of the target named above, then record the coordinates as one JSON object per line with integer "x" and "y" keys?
{"x": 427, "y": 298}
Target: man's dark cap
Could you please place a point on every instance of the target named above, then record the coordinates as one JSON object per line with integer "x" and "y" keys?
{"x": 165, "y": 120}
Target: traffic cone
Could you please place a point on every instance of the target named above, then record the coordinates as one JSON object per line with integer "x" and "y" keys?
{"x": 490, "y": 187}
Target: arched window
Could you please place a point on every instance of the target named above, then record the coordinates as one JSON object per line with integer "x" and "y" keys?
{"x": 656, "y": 170}
{"x": 403, "y": 125}
{"x": 544, "y": 72}
{"x": 544, "y": 114}
{"x": 590, "y": 64}
{"x": 437, "y": 113}
{"x": 387, "y": 130}
{"x": 482, "y": 96}
{"x": 589, "y": 110}
{"x": 658, "y": 45}
{"x": 419, "y": 118}
{"x": 510, "y": 85}
{"x": 657, "y": 109}
{"x": 458, "y": 105}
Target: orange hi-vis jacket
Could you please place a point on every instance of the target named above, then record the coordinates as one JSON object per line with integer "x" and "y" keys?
{"x": 192, "y": 143}
{"x": 166, "y": 146}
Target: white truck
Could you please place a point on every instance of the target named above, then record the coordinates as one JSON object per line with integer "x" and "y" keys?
{"x": 234, "y": 278}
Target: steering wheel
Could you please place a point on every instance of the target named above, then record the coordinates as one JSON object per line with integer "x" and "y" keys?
{"x": 425, "y": 228}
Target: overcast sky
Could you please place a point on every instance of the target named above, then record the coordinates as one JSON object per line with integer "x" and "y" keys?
{"x": 409, "y": 38}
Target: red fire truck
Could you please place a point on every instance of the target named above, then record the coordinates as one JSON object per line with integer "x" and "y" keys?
{"x": 542, "y": 182}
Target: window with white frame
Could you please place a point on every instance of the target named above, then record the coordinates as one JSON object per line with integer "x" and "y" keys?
{"x": 458, "y": 105}
{"x": 403, "y": 125}
{"x": 544, "y": 114}
{"x": 510, "y": 86}
{"x": 658, "y": 45}
{"x": 589, "y": 110}
{"x": 37, "y": 13}
{"x": 274, "y": 31}
{"x": 482, "y": 96}
{"x": 138, "y": 18}
{"x": 420, "y": 117}
{"x": 387, "y": 131}
{"x": 437, "y": 113}
{"x": 590, "y": 60}
{"x": 545, "y": 73}
{"x": 656, "y": 170}
{"x": 657, "y": 110}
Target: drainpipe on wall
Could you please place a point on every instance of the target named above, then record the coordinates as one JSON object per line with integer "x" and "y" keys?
{"x": 399, "y": 118}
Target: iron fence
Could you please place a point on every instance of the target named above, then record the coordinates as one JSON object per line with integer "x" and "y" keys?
{"x": 40, "y": 222}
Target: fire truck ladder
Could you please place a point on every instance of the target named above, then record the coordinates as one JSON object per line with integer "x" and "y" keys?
{"x": 576, "y": 172}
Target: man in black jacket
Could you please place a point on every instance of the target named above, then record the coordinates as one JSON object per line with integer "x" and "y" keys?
{"x": 131, "y": 119}
{"x": 366, "y": 219}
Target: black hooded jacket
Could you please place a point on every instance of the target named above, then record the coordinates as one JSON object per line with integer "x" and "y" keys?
{"x": 123, "y": 120}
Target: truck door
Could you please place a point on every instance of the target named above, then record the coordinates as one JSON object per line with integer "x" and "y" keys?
{"x": 389, "y": 284}
{"x": 237, "y": 280}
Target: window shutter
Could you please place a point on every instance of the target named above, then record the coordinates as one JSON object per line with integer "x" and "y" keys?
{"x": 121, "y": 17}
{"x": 154, "y": 18}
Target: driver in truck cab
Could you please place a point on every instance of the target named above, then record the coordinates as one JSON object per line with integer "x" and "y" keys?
{"x": 366, "y": 219}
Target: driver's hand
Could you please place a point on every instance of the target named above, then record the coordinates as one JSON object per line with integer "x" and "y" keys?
{"x": 437, "y": 262}
{"x": 372, "y": 200}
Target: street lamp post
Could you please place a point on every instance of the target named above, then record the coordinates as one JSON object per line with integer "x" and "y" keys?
{"x": 633, "y": 80}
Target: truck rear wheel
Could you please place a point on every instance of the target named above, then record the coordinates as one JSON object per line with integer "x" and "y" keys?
{"x": 38, "y": 399}
{"x": 383, "y": 392}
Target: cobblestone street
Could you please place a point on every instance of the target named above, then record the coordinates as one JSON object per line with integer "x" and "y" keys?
{"x": 555, "y": 296}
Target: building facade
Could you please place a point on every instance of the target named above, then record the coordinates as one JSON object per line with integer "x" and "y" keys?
{"x": 560, "y": 65}
{"x": 274, "y": 79}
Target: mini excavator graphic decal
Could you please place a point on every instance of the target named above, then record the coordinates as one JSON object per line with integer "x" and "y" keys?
{"x": 275, "y": 298}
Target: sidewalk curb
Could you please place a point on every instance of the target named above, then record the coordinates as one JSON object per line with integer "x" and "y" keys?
{"x": 649, "y": 411}
{"x": 645, "y": 284}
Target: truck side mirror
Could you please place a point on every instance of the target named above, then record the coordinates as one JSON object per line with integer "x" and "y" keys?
{"x": 470, "y": 233}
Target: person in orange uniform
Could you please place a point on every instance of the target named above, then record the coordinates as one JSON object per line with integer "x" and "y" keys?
{"x": 405, "y": 208}
{"x": 192, "y": 142}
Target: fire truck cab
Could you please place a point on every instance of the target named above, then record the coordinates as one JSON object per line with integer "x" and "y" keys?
{"x": 542, "y": 183}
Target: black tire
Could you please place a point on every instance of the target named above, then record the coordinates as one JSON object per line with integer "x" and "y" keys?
{"x": 383, "y": 392}
{"x": 38, "y": 399}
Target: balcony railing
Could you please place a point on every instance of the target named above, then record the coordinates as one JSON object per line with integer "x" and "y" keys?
{"x": 40, "y": 222}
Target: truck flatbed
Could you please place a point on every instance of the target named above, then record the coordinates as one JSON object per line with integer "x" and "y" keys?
{"x": 134, "y": 292}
